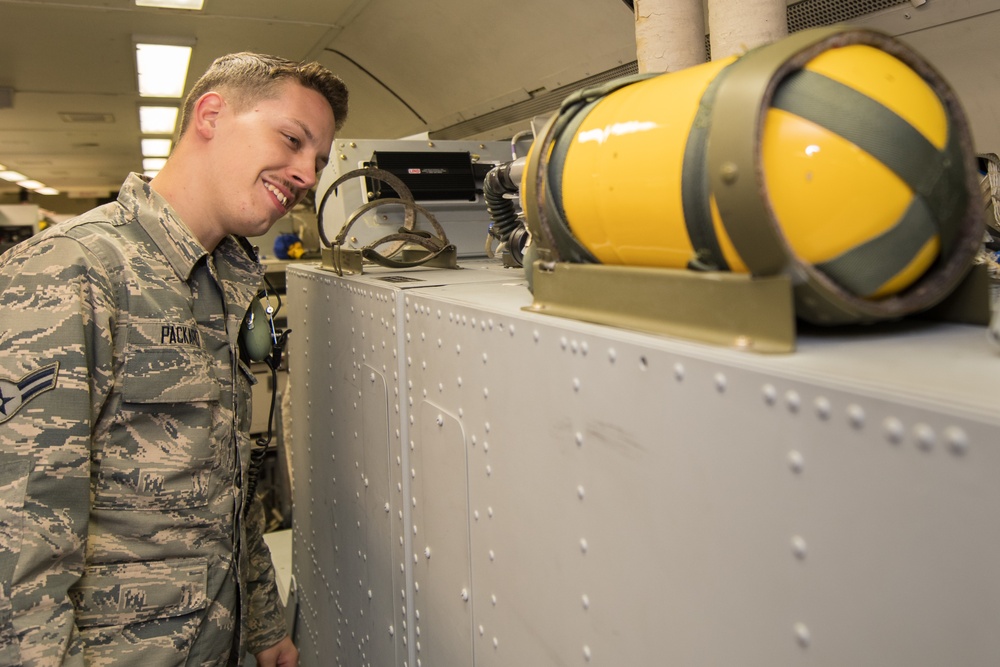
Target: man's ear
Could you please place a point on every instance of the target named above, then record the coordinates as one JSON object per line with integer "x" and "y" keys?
{"x": 206, "y": 113}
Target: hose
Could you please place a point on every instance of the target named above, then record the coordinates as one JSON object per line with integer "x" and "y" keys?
{"x": 497, "y": 183}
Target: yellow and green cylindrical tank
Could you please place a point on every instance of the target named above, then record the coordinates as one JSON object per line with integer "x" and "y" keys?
{"x": 836, "y": 155}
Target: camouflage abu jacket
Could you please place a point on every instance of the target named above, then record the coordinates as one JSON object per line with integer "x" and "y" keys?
{"x": 123, "y": 447}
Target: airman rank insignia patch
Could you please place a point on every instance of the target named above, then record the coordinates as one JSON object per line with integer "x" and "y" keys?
{"x": 13, "y": 395}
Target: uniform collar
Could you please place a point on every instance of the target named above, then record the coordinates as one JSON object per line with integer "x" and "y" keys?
{"x": 178, "y": 245}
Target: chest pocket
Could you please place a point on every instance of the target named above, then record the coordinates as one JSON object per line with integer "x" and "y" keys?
{"x": 163, "y": 446}
{"x": 125, "y": 593}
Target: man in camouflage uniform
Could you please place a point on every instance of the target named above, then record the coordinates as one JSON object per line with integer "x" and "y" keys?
{"x": 124, "y": 407}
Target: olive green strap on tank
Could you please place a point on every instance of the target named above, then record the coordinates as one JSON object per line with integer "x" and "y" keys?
{"x": 735, "y": 173}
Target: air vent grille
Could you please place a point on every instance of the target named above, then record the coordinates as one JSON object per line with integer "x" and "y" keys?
{"x": 813, "y": 13}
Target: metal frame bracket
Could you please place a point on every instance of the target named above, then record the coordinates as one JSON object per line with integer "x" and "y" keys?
{"x": 717, "y": 307}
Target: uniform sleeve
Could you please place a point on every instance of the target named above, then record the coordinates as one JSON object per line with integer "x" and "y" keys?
{"x": 266, "y": 623}
{"x": 57, "y": 308}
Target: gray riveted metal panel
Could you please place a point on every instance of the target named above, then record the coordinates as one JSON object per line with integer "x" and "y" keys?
{"x": 632, "y": 499}
{"x": 353, "y": 538}
{"x": 343, "y": 504}
{"x": 442, "y": 576}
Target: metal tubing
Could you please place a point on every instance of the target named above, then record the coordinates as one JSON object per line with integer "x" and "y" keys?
{"x": 669, "y": 34}
{"x": 736, "y": 26}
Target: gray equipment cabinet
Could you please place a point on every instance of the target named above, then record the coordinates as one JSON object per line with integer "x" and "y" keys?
{"x": 475, "y": 484}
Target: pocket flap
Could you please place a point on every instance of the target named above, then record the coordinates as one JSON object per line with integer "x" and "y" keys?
{"x": 125, "y": 593}
{"x": 156, "y": 374}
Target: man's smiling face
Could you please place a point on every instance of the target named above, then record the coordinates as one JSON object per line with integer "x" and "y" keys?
{"x": 268, "y": 156}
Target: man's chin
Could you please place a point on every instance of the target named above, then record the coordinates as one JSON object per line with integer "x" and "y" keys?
{"x": 258, "y": 229}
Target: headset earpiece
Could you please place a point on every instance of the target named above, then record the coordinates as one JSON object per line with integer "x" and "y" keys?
{"x": 260, "y": 341}
{"x": 256, "y": 339}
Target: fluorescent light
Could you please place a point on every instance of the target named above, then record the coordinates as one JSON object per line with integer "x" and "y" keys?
{"x": 155, "y": 147}
{"x": 153, "y": 163}
{"x": 47, "y": 191}
{"x": 171, "y": 4}
{"x": 31, "y": 185}
{"x": 162, "y": 69}
{"x": 157, "y": 120}
{"x": 12, "y": 176}
{"x": 151, "y": 173}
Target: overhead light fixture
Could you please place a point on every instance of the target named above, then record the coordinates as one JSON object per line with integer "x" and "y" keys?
{"x": 157, "y": 120}
{"x": 47, "y": 191}
{"x": 172, "y": 4}
{"x": 31, "y": 185}
{"x": 155, "y": 147}
{"x": 153, "y": 163}
{"x": 151, "y": 173}
{"x": 12, "y": 176}
{"x": 162, "y": 67}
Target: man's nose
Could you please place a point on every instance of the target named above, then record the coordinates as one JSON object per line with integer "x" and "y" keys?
{"x": 303, "y": 172}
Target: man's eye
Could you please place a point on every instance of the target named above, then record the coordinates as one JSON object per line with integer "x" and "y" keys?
{"x": 293, "y": 140}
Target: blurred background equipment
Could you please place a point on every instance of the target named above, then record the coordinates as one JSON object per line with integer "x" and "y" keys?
{"x": 17, "y": 223}
{"x": 444, "y": 177}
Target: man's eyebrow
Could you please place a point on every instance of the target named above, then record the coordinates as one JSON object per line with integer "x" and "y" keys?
{"x": 325, "y": 159}
{"x": 305, "y": 129}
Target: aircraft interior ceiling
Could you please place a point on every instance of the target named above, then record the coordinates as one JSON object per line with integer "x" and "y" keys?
{"x": 446, "y": 68}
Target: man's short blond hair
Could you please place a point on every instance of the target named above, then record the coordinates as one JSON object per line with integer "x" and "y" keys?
{"x": 246, "y": 78}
